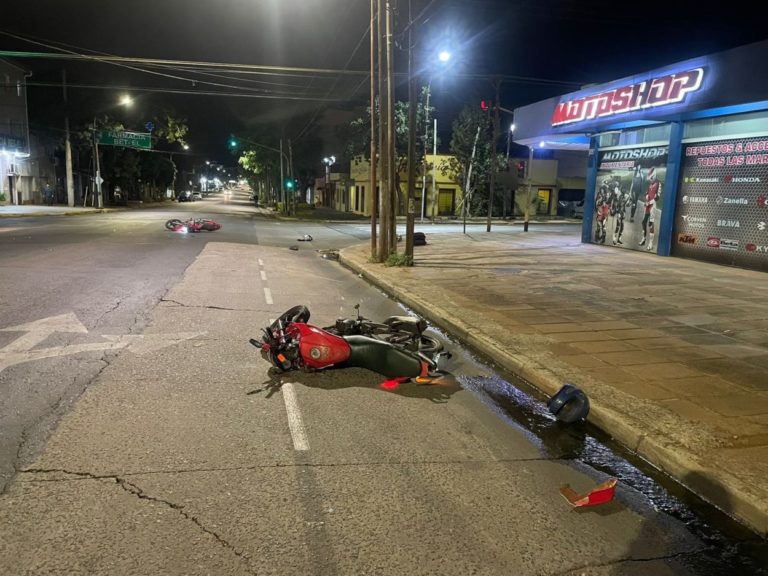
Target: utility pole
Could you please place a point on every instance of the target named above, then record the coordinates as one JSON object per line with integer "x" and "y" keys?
{"x": 411, "y": 208}
{"x": 435, "y": 193}
{"x": 492, "y": 184}
{"x": 392, "y": 162}
{"x": 468, "y": 181}
{"x": 374, "y": 195}
{"x": 383, "y": 135}
{"x": 528, "y": 193}
{"x": 291, "y": 190}
{"x": 67, "y": 145}
{"x": 97, "y": 166}
{"x": 282, "y": 178}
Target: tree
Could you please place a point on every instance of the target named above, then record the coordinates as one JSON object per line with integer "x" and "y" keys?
{"x": 471, "y": 130}
{"x": 358, "y": 134}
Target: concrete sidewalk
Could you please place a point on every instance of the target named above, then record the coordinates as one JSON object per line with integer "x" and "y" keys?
{"x": 672, "y": 353}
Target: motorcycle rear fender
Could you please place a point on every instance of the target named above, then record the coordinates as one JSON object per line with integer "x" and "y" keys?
{"x": 383, "y": 358}
{"x": 410, "y": 324}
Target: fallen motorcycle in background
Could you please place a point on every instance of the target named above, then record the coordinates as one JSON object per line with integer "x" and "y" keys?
{"x": 192, "y": 225}
{"x": 289, "y": 343}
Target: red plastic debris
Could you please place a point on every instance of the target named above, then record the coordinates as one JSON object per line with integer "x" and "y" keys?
{"x": 393, "y": 383}
{"x": 599, "y": 495}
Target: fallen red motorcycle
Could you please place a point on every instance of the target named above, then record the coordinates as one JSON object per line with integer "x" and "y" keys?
{"x": 290, "y": 343}
{"x": 192, "y": 225}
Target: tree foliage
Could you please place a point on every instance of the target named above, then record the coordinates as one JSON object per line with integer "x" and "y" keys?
{"x": 471, "y": 129}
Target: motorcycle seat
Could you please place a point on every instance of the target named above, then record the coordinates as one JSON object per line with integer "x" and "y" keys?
{"x": 382, "y": 357}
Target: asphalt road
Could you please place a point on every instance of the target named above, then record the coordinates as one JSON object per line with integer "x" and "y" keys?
{"x": 205, "y": 452}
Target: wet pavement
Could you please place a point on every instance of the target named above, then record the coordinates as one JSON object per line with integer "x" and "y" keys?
{"x": 672, "y": 353}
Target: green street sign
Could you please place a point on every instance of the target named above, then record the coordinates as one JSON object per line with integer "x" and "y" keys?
{"x": 127, "y": 139}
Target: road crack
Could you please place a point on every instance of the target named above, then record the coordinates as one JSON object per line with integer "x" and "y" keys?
{"x": 675, "y": 556}
{"x": 139, "y": 493}
{"x": 136, "y": 491}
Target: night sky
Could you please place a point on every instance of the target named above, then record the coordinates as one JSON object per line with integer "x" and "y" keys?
{"x": 542, "y": 47}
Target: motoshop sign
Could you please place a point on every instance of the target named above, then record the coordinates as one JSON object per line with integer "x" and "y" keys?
{"x": 139, "y": 140}
{"x": 655, "y": 92}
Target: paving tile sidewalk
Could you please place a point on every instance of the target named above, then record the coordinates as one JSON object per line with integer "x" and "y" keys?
{"x": 672, "y": 353}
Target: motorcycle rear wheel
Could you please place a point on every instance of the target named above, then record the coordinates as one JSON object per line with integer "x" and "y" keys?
{"x": 173, "y": 223}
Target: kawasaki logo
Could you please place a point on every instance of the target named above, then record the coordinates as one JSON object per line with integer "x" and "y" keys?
{"x": 661, "y": 91}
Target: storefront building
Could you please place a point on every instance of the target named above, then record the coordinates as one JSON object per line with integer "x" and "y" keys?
{"x": 677, "y": 157}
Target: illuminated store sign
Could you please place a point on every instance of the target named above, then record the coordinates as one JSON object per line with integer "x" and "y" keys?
{"x": 661, "y": 91}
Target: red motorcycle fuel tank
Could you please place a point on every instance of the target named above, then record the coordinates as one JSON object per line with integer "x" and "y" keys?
{"x": 318, "y": 348}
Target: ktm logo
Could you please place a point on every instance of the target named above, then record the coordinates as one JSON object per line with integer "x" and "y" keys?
{"x": 686, "y": 239}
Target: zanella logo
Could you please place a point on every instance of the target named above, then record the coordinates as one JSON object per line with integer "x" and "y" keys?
{"x": 660, "y": 91}
{"x": 726, "y": 200}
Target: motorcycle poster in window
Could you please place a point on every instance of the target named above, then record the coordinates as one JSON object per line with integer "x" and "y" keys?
{"x": 628, "y": 197}
{"x": 722, "y": 204}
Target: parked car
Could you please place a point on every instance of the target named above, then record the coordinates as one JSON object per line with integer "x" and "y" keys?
{"x": 197, "y": 196}
{"x": 185, "y": 196}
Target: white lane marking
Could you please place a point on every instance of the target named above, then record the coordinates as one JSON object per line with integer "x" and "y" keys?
{"x": 268, "y": 295}
{"x": 261, "y": 262}
{"x": 295, "y": 423}
{"x": 263, "y": 275}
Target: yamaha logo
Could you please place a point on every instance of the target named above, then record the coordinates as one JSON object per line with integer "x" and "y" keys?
{"x": 695, "y": 200}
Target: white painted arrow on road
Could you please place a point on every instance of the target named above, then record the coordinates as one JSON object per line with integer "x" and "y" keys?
{"x": 39, "y": 330}
{"x": 20, "y": 350}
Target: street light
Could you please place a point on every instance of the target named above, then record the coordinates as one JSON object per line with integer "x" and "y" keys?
{"x": 328, "y": 161}
{"x": 126, "y": 100}
{"x": 444, "y": 56}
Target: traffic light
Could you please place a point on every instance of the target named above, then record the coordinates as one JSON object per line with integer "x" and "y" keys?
{"x": 232, "y": 143}
{"x": 289, "y": 184}
{"x": 521, "y": 169}
{"x": 484, "y": 105}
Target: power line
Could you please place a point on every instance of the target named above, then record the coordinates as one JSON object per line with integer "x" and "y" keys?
{"x": 182, "y": 91}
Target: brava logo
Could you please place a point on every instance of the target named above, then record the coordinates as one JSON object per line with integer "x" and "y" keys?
{"x": 728, "y": 224}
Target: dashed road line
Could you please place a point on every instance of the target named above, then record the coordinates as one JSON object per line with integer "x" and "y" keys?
{"x": 295, "y": 422}
{"x": 263, "y": 275}
{"x": 268, "y": 295}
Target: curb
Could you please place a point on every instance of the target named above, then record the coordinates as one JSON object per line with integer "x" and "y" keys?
{"x": 67, "y": 213}
{"x": 727, "y": 495}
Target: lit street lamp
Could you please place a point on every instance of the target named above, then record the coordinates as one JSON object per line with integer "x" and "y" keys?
{"x": 328, "y": 161}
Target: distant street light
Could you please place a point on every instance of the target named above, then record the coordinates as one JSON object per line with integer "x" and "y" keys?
{"x": 328, "y": 161}
{"x": 185, "y": 146}
{"x": 126, "y": 100}
{"x": 444, "y": 56}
